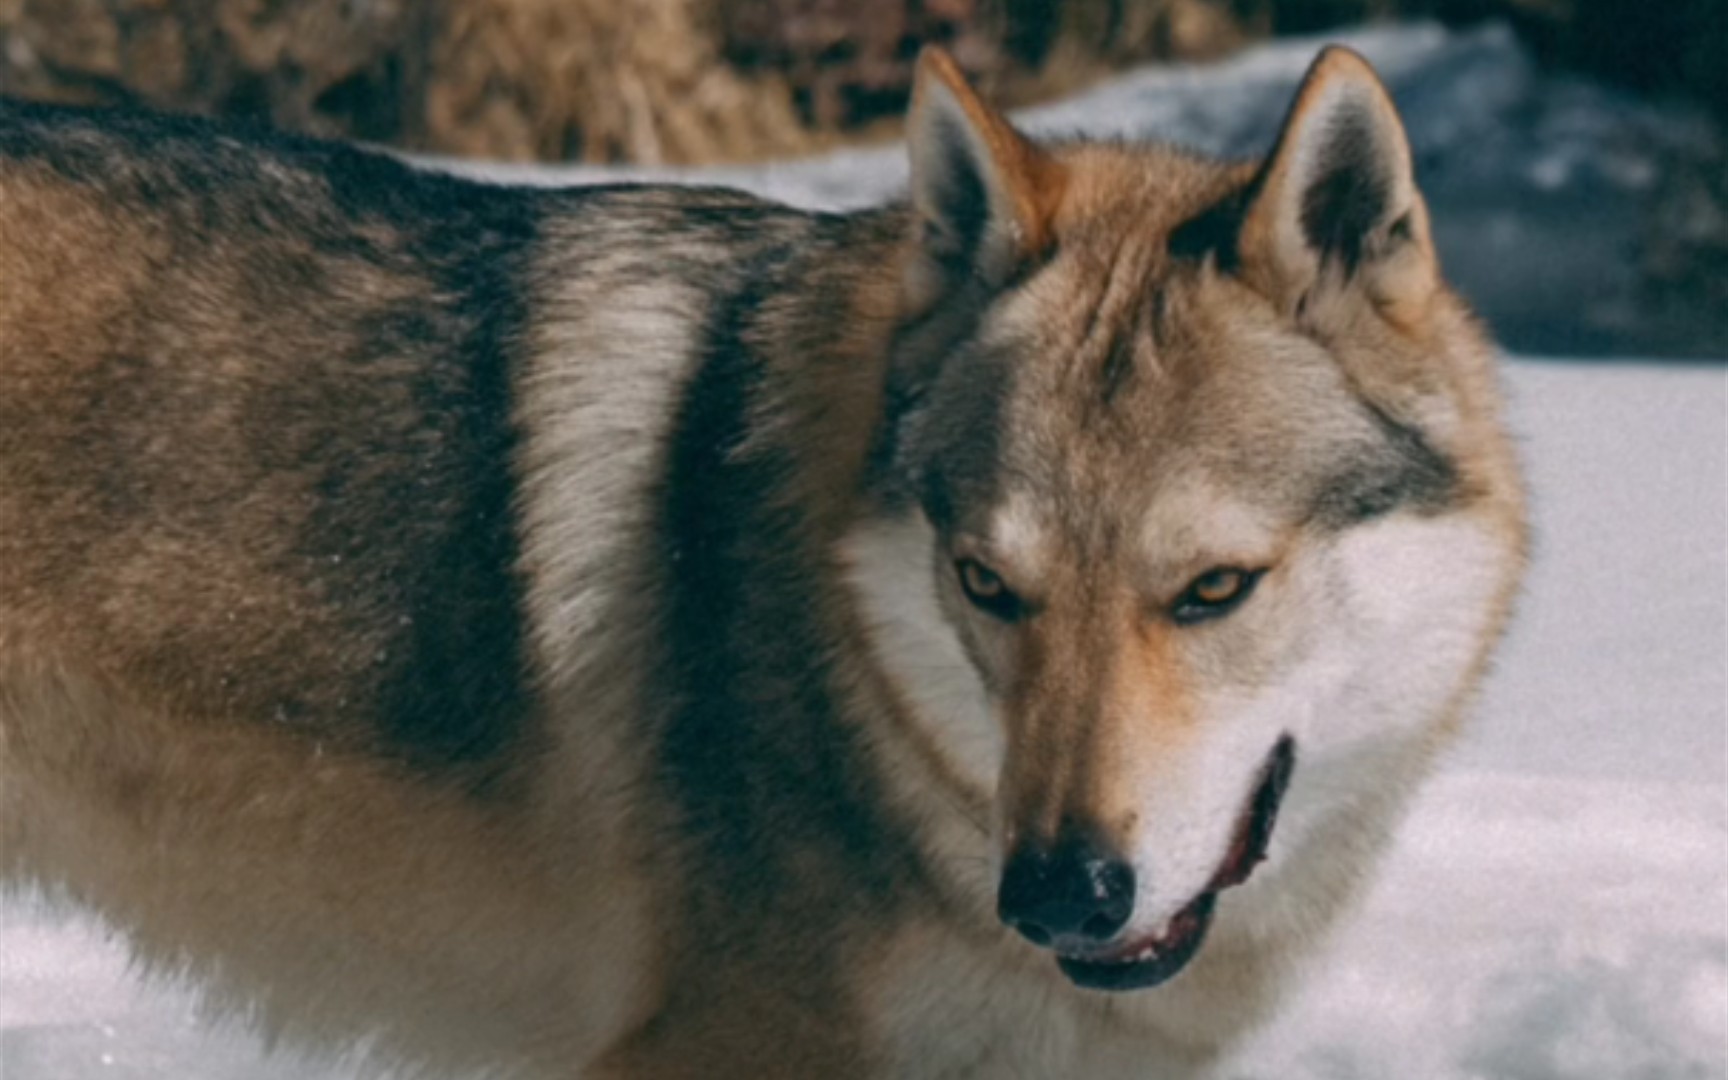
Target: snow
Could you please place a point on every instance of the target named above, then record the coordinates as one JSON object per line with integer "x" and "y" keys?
{"x": 1529, "y": 927}
{"x": 1557, "y": 905}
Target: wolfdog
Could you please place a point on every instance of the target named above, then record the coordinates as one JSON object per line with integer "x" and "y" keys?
{"x": 646, "y": 632}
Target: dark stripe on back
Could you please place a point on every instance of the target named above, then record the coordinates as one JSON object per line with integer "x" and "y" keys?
{"x": 465, "y": 698}
{"x": 766, "y": 775}
{"x": 435, "y": 482}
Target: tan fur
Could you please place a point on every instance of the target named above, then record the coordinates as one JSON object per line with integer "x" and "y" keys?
{"x": 183, "y": 836}
{"x": 198, "y": 649}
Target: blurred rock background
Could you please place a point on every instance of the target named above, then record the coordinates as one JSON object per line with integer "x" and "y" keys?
{"x": 681, "y": 82}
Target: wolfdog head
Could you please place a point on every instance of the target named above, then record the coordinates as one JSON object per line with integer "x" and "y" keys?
{"x": 1194, "y": 491}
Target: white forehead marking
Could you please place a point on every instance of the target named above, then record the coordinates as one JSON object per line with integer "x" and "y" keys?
{"x": 1017, "y": 534}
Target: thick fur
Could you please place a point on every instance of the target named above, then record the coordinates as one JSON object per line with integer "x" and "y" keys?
{"x": 517, "y": 631}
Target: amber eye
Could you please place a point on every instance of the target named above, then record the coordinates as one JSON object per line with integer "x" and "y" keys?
{"x": 987, "y": 591}
{"x": 1216, "y": 592}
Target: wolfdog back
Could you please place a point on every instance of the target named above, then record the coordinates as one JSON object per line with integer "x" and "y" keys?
{"x": 642, "y": 632}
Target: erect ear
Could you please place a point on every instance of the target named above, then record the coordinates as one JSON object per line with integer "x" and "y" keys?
{"x": 983, "y": 195}
{"x": 1335, "y": 210}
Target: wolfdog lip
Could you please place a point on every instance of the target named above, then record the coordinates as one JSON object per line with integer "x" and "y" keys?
{"x": 1148, "y": 961}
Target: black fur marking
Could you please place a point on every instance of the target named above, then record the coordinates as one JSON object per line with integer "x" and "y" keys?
{"x": 1214, "y": 232}
{"x": 950, "y": 455}
{"x": 921, "y": 356}
{"x": 458, "y": 695}
{"x": 962, "y": 203}
{"x": 1351, "y": 194}
{"x": 1404, "y": 471}
{"x": 1402, "y": 230}
{"x": 1117, "y": 367}
{"x": 465, "y": 695}
{"x": 765, "y": 776}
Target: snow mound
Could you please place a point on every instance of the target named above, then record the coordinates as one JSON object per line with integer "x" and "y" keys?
{"x": 1529, "y": 928}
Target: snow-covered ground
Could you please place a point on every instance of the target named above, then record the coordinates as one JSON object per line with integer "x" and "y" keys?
{"x": 1557, "y": 908}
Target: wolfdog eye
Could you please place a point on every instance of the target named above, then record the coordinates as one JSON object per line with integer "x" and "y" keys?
{"x": 1216, "y": 592}
{"x": 987, "y": 591}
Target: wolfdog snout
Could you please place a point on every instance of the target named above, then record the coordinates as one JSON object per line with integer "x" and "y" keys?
{"x": 1074, "y": 887}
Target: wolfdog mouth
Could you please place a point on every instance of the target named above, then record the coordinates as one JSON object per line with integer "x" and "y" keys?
{"x": 1146, "y": 961}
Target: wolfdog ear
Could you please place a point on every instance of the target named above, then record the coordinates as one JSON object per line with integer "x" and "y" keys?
{"x": 1336, "y": 207}
{"x": 983, "y": 195}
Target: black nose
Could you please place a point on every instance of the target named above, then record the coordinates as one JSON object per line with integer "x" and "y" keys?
{"x": 1071, "y": 888}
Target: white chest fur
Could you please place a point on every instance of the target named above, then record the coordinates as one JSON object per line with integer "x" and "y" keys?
{"x": 944, "y": 1008}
